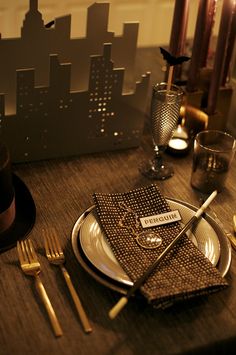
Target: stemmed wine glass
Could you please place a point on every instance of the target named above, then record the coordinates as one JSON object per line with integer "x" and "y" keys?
{"x": 165, "y": 110}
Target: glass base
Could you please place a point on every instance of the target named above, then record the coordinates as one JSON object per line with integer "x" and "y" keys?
{"x": 152, "y": 172}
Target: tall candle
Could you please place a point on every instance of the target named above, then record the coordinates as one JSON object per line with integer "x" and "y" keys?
{"x": 179, "y": 28}
{"x": 179, "y": 24}
{"x": 230, "y": 47}
{"x": 220, "y": 54}
{"x": 197, "y": 43}
{"x": 207, "y": 33}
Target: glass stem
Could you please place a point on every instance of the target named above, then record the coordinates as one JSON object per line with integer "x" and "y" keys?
{"x": 158, "y": 158}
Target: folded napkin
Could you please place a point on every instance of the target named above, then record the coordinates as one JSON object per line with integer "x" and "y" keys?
{"x": 183, "y": 273}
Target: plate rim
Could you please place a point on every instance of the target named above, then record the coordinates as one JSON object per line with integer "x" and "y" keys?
{"x": 123, "y": 288}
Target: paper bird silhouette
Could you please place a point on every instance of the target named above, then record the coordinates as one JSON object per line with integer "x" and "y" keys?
{"x": 171, "y": 60}
{"x": 50, "y": 24}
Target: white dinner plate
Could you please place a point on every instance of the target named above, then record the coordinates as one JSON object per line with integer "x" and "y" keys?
{"x": 93, "y": 252}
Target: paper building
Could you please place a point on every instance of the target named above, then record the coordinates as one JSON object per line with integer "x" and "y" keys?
{"x": 62, "y": 96}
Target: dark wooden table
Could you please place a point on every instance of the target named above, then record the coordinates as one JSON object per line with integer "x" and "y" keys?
{"x": 62, "y": 189}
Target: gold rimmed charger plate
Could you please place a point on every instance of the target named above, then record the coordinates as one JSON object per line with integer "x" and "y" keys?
{"x": 95, "y": 256}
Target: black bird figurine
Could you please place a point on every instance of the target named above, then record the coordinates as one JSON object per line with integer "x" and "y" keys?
{"x": 50, "y": 24}
{"x": 172, "y": 60}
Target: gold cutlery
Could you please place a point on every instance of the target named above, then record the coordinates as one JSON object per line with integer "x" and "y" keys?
{"x": 230, "y": 236}
{"x": 56, "y": 256}
{"x": 234, "y": 222}
{"x": 31, "y": 266}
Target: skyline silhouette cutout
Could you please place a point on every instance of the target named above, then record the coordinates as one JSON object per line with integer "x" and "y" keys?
{"x": 61, "y": 96}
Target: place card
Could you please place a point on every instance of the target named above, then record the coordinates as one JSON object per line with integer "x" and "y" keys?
{"x": 160, "y": 219}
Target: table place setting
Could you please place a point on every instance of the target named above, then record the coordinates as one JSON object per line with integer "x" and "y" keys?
{"x": 113, "y": 247}
{"x": 140, "y": 237}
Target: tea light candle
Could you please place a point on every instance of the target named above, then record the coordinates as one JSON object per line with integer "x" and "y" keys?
{"x": 178, "y": 144}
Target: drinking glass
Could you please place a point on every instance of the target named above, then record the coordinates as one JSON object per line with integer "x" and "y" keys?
{"x": 165, "y": 109}
{"x": 212, "y": 157}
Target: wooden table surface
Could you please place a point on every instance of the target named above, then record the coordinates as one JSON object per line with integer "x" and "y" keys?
{"x": 62, "y": 189}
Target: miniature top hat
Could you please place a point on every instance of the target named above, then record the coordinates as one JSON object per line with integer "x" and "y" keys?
{"x": 7, "y": 193}
{"x": 17, "y": 208}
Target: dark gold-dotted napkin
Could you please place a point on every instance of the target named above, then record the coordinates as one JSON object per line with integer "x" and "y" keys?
{"x": 183, "y": 273}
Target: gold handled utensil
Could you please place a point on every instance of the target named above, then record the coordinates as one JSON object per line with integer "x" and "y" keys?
{"x": 234, "y": 222}
{"x": 31, "y": 266}
{"x": 56, "y": 256}
{"x": 229, "y": 235}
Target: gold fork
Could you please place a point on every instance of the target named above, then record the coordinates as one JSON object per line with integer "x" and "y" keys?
{"x": 31, "y": 266}
{"x": 56, "y": 256}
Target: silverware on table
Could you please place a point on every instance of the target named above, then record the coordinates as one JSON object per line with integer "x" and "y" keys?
{"x": 31, "y": 266}
{"x": 230, "y": 236}
{"x": 234, "y": 222}
{"x": 56, "y": 256}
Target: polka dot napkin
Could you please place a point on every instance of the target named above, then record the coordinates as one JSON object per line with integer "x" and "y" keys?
{"x": 183, "y": 273}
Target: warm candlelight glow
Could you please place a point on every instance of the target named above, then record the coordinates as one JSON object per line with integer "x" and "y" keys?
{"x": 178, "y": 143}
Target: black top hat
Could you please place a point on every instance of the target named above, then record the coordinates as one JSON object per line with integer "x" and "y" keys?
{"x": 17, "y": 208}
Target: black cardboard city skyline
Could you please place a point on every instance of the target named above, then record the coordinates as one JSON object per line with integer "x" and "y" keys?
{"x": 62, "y": 96}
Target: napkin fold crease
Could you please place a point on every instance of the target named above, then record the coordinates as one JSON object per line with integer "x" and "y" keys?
{"x": 182, "y": 274}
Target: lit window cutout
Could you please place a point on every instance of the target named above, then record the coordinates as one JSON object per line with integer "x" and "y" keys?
{"x": 102, "y": 130}
{"x": 116, "y": 133}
